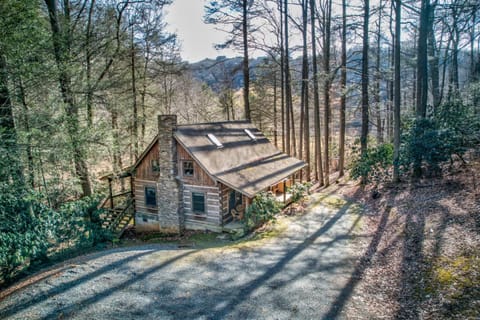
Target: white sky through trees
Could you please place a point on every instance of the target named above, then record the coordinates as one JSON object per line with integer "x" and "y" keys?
{"x": 197, "y": 39}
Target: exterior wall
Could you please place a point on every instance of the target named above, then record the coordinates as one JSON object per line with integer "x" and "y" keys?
{"x": 144, "y": 170}
{"x": 211, "y": 219}
{"x": 146, "y": 217}
{"x": 200, "y": 177}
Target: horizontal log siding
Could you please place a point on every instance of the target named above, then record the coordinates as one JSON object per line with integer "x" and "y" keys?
{"x": 139, "y": 192}
{"x": 200, "y": 177}
{"x": 146, "y": 218}
{"x": 211, "y": 219}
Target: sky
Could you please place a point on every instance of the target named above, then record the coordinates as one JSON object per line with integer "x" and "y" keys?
{"x": 197, "y": 39}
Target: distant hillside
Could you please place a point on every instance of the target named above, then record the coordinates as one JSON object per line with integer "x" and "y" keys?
{"x": 223, "y": 72}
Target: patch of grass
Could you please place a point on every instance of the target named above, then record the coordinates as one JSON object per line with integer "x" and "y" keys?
{"x": 331, "y": 201}
{"x": 457, "y": 282}
{"x": 270, "y": 230}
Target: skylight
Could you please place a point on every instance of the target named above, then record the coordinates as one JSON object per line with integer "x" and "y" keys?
{"x": 215, "y": 140}
{"x": 250, "y": 134}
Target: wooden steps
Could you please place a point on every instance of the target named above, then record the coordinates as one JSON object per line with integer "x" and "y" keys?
{"x": 119, "y": 218}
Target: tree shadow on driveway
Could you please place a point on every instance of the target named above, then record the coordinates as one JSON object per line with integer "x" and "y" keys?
{"x": 246, "y": 290}
{"x": 26, "y": 303}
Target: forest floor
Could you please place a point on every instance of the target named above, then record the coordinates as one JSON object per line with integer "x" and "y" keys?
{"x": 424, "y": 257}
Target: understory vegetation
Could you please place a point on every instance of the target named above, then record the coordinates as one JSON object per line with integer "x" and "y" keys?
{"x": 426, "y": 144}
{"x": 265, "y": 205}
{"x": 33, "y": 233}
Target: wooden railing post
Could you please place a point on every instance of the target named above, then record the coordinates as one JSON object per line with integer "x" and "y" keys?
{"x": 110, "y": 191}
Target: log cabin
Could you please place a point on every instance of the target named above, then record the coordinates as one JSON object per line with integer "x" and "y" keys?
{"x": 204, "y": 176}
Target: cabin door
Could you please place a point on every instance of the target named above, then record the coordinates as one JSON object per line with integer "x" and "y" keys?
{"x": 234, "y": 200}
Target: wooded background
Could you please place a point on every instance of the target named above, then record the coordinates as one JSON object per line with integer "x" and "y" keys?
{"x": 82, "y": 81}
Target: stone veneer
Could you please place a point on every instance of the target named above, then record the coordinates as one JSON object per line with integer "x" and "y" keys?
{"x": 170, "y": 214}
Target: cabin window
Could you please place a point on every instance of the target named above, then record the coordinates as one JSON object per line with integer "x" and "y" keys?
{"x": 188, "y": 168}
{"x": 150, "y": 196}
{"x": 198, "y": 202}
{"x": 155, "y": 165}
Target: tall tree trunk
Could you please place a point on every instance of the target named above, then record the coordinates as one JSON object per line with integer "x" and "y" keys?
{"x": 316, "y": 99}
{"x": 422, "y": 74}
{"x": 343, "y": 85}
{"x": 454, "y": 85}
{"x": 8, "y": 134}
{"x": 397, "y": 93}
{"x": 88, "y": 62}
{"x": 282, "y": 78}
{"x": 378, "y": 113}
{"x": 364, "y": 132}
{"x": 326, "y": 89}
{"x": 26, "y": 124}
{"x": 391, "y": 81}
{"x": 134, "y": 98}
{"x": 306, "y": 124}
{"x": 61, "y": 47}
{"x": 422, "y": 61}
{"x": 246, "y": 69}
{"x": 288, "y": 89}
{"x": 433, "y": 61}
{"x": 275, "y": 125}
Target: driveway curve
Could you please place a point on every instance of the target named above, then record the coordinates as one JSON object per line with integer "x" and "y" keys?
{"x": 309, "y": 271}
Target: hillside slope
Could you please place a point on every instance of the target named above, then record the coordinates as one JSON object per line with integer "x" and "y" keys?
{"x": 424, "y": 259}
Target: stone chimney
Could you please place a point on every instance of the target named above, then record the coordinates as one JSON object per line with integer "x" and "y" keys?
{"x": 169, "y": 202}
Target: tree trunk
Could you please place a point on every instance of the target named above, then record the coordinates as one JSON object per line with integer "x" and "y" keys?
{"x": 282, "y": 78}
{"x": 422, "y": 75}
{"x": 246, "y": 69}
{"x": 61, "y": 46}
{"x": 343, "y": 86}
{"x": 88, "y": 62}
{"x": 306, "y": 121}
{"x": 8, "y": 133}
{"x": 364, "y": 132}
{"x": 316, "y": 100}
{"x": 288, "y": 92}
{"x": 26, "y": 123}
{"x": 275, "y": 126}
{"x": 397, "y": 92}
{"x": 326, "y": 90}
{"x": 422, "y": 61}
{"x": 134, "y": 98}
{"x": 433, "y": 62}
{"x": 378, "y": 113}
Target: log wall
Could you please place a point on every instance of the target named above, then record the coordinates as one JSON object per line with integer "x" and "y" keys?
{"x": 200, "y": 177}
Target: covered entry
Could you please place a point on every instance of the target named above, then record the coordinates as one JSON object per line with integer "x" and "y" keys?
{"x": 235, "y": 204}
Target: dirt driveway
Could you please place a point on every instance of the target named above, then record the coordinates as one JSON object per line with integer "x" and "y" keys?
{"x": 309, "y": 271}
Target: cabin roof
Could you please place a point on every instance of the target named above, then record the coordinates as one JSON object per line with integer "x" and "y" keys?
{"x": 245, "y": 163}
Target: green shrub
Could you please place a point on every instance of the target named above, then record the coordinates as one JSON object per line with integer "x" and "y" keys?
{"x": 299, "y": 190}
{"x": 451, "y": 130}
{"x": 31, "y": 232}
{"x": 263, "y": 208}
{"x": 375, "y": 164}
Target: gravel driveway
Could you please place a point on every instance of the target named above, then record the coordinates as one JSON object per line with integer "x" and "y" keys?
{"x": 307, "y": 272}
